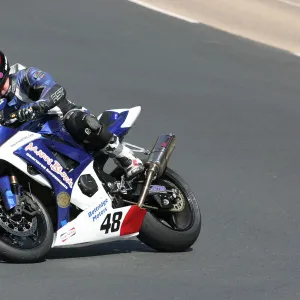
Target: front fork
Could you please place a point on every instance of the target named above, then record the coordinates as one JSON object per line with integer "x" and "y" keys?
{"x": 10, "y": 192}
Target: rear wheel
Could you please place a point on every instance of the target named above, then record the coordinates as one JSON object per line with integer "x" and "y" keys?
{"x": 173, "y": 231}
{"x": 26, "y": 237}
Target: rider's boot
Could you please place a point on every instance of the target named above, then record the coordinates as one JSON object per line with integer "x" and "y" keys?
{"x": 123, "y": 157}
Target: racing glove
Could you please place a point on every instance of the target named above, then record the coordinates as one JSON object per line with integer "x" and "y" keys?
{"x": 31, "y": 111}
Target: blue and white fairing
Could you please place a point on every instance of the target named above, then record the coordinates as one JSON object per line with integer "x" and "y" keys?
{"x": 43, "y": 142}
{"x": 41, "y": 153}
{"x": 119, "y": 121}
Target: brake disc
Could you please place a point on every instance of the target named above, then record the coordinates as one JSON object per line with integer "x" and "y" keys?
{"x": 180, "y": 199}
{"x": 19, "y": 225}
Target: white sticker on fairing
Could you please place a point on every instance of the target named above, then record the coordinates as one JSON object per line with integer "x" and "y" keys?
{"x": 65, "y": 236}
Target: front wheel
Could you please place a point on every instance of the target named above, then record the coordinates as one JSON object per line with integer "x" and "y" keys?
{"x": 26, "y": 237}
{"x": 173, "y": 232}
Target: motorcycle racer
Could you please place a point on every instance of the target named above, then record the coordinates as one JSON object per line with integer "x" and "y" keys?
{"x": 32, "y": 92}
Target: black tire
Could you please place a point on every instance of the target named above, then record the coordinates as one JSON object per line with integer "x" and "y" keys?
{"x": 162, "y": 238}
{"x": 29, "y": 255}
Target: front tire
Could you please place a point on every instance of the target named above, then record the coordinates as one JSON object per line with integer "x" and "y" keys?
{"x": 26, "y": 246}
{"x": 163, "y": 237}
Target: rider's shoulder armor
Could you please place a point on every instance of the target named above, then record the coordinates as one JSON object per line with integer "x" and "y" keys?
{"x": 34, "y": 82}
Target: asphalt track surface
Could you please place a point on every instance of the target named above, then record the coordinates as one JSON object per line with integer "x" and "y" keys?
{"x": 235, "y": 108}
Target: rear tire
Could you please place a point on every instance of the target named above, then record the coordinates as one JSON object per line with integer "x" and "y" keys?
{"x": 160, "y": 237}
{"x": 42, "y": 238}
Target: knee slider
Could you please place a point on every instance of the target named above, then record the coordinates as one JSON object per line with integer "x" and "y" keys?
{"x": 92, "y": 123}
{"x": 100, "y": 138}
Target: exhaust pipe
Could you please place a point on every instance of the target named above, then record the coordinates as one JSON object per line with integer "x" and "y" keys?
{"x": 157, "y": 161}
{"x": 161, "y": 152}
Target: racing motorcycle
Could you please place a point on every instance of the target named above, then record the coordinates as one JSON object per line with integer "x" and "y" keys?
{"x": 54, "y": 192}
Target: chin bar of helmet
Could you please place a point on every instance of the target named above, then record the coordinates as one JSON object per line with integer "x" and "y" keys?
{"x": 157, "y": 161}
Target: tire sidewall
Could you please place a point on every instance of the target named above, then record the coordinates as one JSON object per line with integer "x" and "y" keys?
{"x": 156, "y": 235}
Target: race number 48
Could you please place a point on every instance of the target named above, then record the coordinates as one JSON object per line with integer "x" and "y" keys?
{"x": 112, "y": 222}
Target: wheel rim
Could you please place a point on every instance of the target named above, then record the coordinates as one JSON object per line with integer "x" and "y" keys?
{"x": 25, "y": 231}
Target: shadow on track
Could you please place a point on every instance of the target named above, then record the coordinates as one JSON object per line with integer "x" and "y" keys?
{"x": 109, "y": 248}
{"x": 118, "y": 247}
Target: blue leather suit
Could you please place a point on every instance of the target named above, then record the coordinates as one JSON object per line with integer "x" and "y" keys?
{"x": 32, "y": 86}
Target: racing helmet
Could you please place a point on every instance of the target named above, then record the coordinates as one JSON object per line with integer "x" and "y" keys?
{"x": 4, "y": 68}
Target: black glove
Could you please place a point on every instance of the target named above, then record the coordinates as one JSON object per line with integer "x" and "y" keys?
{"x": 25, "y": 114}
{"x": 31, "y": 111}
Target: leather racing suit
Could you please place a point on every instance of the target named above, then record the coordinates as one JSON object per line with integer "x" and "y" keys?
{"x": 33, "y": 92}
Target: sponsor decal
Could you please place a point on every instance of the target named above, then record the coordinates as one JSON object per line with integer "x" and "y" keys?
{"x": 38, "y": 74}
{"x": 63, "y": 199}
{"x": 47, "y": 170}
{"x": 57, "y": 95}
{"x": 98, "y": 211}
{"x": 157, "y": 188}
{"x": 22, "y": 139}
{"x": 65, "y": 236}
{"x": 87, "y": 131}
{"x": 53, "y": 164}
